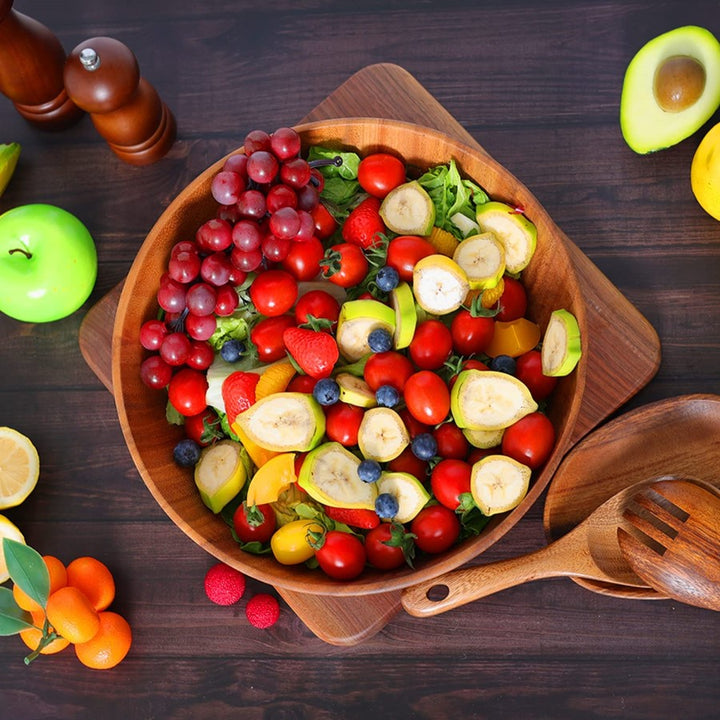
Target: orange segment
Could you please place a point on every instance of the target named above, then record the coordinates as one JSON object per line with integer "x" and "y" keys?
{"x": 274, "y": 379}
{"x": 58, "y": 579}
{"x": 109, "y": 646}
{"x": 72, "y": 615}
{"x": 94, "y": 579}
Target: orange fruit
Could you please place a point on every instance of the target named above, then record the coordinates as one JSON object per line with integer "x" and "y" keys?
{"x": 32, "y": 636}
{"x": 109, "y": 646}
{"x": 94, "y": 579}
{"x": 72, "y": 615}
{"x": 58, "y": 579}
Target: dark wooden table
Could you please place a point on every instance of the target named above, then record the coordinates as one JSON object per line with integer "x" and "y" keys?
{"x": 538, "y": 85}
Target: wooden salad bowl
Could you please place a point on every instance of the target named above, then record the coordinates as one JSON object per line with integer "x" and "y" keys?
{"x": 552, "y": 282}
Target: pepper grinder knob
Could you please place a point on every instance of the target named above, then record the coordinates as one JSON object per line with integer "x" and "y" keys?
{"x": 103, "y": 78}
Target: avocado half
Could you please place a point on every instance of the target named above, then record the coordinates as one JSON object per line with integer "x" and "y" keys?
{"x": 671, "y": 88}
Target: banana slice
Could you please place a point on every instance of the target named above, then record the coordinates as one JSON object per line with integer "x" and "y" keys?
{"x": 407, "y": 490}
{"x": 484, "y": 439}
{"x": 489, "y": 400}
{"x": 284, "y": 422}
{"x": 408, "y": 210}
{"x": 220, "y": 474}
{"x": 402, "y": 301}
{"x": 440, "y": 285}
{"x": 329, "y": 475}
{"x": 498, "y": 483}
{"x": 482, "y": 257}
{"x": 561, "y": 346}
{"x": 357, "y": 319}
{"x": 513, "y": 229}
{"x": 355, "y": 391}
{"x": 382, "y": 435}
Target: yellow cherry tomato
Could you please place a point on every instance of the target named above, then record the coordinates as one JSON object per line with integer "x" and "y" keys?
{"x": 514, "y": 338}
{"x": 289, "y": 543}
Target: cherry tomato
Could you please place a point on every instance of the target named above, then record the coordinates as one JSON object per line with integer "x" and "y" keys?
{"x": 450, "y": 441}
{"x": 342, "y": 422}
{"x": 273, "y": 292}
{"x": 303, "y": 259}
{"x": 342, "y": 555}
{"x": 469, "y": 364}
{"x": 379, "y": 553}
{"x": 289, "y": 543}
{"x": 450, "y": 478}
{"x": 301, "y": 384}
{"x": 513, "y": 301}
{"x": 388, "y": 368}
{"x": 408, "y": 462}
{"x": 345, "y": 265}
{"x": 431, "y": 345}
{"x": 325, "y": 223}
{"x": 530, "y": 440}
{"x": 479, "y": 453}
{"x": 413, "y": 425}
{"x": 254, "y": 524}
{"x": 319, "y": 304}
{"x": 404, "y": 251}
{"x": 427, "y": 397}
{"x": 528, "y": 368}
{"x": 379, "y": 173}
{"x": 267, "y": 334}
{"x": 436, "y": 527}
{"x": 198, "y": 425}
{"x": 186, "y": 391}
{"x": 471, "y": 335}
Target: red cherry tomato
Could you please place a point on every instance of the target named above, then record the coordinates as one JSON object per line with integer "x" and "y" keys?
{"x": 388, "y": 368}
{"x": 273, "y": 292}
{"x": 342, "y": 422}
{"x": 471, "y": 335}
{"x": 301, "y": 384}
{"x": 427, "y": 397}
{"x": 379, "y": 173}
{"x": 303, "y": 259}
{"x": 319, "y": 304}
{"x": 186, "y": 391}
{"x": 325, "y": 223}
{"x": 528, "y": 368}
{"x": 408, "y": 462}
{"x": 450, "y": 441}
{"x": 513, "y": 301}
{"x": 530, "y": 440}
{"x": 379, "y": 553}
{"x": 404, "y": 251}
{"x": 431, "y": 345}
{"x": 342, "y": 555}
{"x": 198, "y": 425}
{"x": 450, "y": 478}
{"x": 345, "y": 265}
{"x": 255, "y": 524}
{"x": 414, "y": 426}
{"x": 437, "y": 528}
{"x": 267, "y": 334}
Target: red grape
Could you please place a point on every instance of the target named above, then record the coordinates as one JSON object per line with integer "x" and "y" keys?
{"x": 155, "y": 372}
{"x": 201, "y": 299}
{"x": 214, "y": 235}
{"x": 295, "y": 172}
{"x": 280, "y": 196}
{"x": 175, "y": 348}
{"x": 152, "y": 333}
{"x": 285, "y": 143}
{"x": 184, "y": 267}
{"x": 227, "y": 300}
{"x": 252, "y": 204}
{"x": 171, "y": 296}
{"x": 256, "y": 140}
{"x": 237, "y": 163}
{"x": 285, "y": 223}
{"x": 201, "y": 355}
{"x": 216, "y": 269}
{"x": 200, "y": 327}
{"x": 262, "y": 167}
{"x": 226, "y": 187}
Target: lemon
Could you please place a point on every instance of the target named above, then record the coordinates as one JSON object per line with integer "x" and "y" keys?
{"x": 11, "y": 531}
{"x": 705, "y": 173}
{"x": 19, "y": 467}
{"x": 271, "y": 479}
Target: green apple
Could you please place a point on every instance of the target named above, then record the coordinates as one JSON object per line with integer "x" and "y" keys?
{"x": 9, "y": 155}
{"x": 48, "y": 263}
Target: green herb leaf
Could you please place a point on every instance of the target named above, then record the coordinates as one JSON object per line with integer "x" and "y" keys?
{"x": 27, "y": 570}
{"x": 348, "y": 169}
{"x": 12, "y": 619}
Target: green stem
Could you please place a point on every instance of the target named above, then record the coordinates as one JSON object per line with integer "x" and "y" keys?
{"x": 27, "y": 254}
{"x": 44, "y": 642}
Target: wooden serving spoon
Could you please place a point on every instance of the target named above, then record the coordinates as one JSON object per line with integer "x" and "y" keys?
{"x": 674, "y": 540}
{"x": 589, "y": 550}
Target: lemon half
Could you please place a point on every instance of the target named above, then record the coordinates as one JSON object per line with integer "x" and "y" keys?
{"x": 19, "y": 467}
{"x": 11, "y": 531}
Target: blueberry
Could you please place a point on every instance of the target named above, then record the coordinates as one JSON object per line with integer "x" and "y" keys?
{"x": 503, "y": 363}
{"x": 387, "y": 396}
{"x": 326, "y": 391}
{"x": 380, "y": 340}
{"x": 386, "y": 506}
{"x": 424, "y": 446}
{"x": 232, "y": 350}
{"x": 369, "y": 471}
{"x": 387, "y": 278}
{"x": 186, "y": 453}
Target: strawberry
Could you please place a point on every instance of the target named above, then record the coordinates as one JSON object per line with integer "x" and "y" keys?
{"x": 364, "y": 223}
{"x": 314, "y": 351}
{"x": 358, "y": 518}
{"x": 238, "y": 392}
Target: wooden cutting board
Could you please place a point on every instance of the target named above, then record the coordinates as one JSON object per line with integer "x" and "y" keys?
{"x": 612, "y": 322}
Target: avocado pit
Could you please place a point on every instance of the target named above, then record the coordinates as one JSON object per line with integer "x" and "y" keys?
{"x": 679, "y": 83}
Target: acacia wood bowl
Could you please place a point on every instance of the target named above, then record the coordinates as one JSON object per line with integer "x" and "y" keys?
{"x": 551, "y": 280}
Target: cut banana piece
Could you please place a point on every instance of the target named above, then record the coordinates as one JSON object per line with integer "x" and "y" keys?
{"x": 402, "y": 302}
{"x": 498, "y": 483}
{"x": 482, "y": 257}
{"x": 489, "y": 400}
{"x": 382, "y": 435}
{"x": 408, "y": 210}
{"x": 357, "y": 319}
{"x": 329, "y": 475}
{"x": 561, "y": 346}
{"x": 220, "y": 474}
{"x": 513, "y": 229}
{"x": 440, "y": 285}
{"x": 484, "y": 439}
{"x": 355, "y": 391}
{"x": 407, "y": 490}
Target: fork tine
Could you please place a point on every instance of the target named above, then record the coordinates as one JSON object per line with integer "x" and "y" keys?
{"x": 649, "y": 527}
{"x": 661, "y": 509}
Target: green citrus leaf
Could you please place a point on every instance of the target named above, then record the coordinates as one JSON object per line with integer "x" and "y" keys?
{"x": 27, "y": 570}
{"x": 12, "y": 618}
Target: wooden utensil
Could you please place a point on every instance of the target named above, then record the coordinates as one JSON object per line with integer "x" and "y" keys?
{"x": 673, "y": 542}
{"x": 590, "y": 550}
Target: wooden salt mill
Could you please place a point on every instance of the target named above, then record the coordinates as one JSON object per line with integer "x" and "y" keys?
{"x": 102, "y": 77}
{"x": 31, "y": 70}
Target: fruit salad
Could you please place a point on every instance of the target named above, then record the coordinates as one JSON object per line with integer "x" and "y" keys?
{"x": 347, "y": 349}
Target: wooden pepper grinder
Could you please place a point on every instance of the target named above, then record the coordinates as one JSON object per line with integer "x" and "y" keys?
{"x": 31, "y": 70}
{"x": 102, "y": 77}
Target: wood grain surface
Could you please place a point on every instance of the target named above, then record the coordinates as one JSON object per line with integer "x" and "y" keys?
{"x": 538, "y": 87}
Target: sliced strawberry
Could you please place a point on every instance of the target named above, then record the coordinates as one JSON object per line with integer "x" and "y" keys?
{"x": 359, "y": 518}
{"x": 364, "y": 224}
{"x": 314, "y": 351}
{"x": 238, "y": 391}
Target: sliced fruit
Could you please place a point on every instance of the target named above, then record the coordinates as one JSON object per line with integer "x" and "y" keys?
{"x": 357, "y": 319}
{"x": 514, "y": 338}
{"x": 329, "y": 475}
{"x": 407, "y": 490}
{"x": 382, "y": 435}
{"x": 9, "y": 155}
{"x": 8, "y": 530}
{"x": 284, "y": 422}
{"x": 408, "y": 210}
{"x": 482, "y": 257}
{"x": 705, "y": 173}
{"x": 355, "y": 391}
{"x": 498, "y": 483}
{"x": 444, "y": 242}
{"x": 464, "y": 224}
{"x": 275, "y": 476}
{"x": 440, "y": 285}
{"x": 561, "y": 346}
{"x": 19, "y": 467}
{"x": 220, "y": 474}
{"x": 513, "y": 229}
{"x": 484, "y": 439}
{"x": 489, "y": 400}
{"x": 402, "y": 301}
{"x": 259, "y": 455}
{"x": 274, "y": 378}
